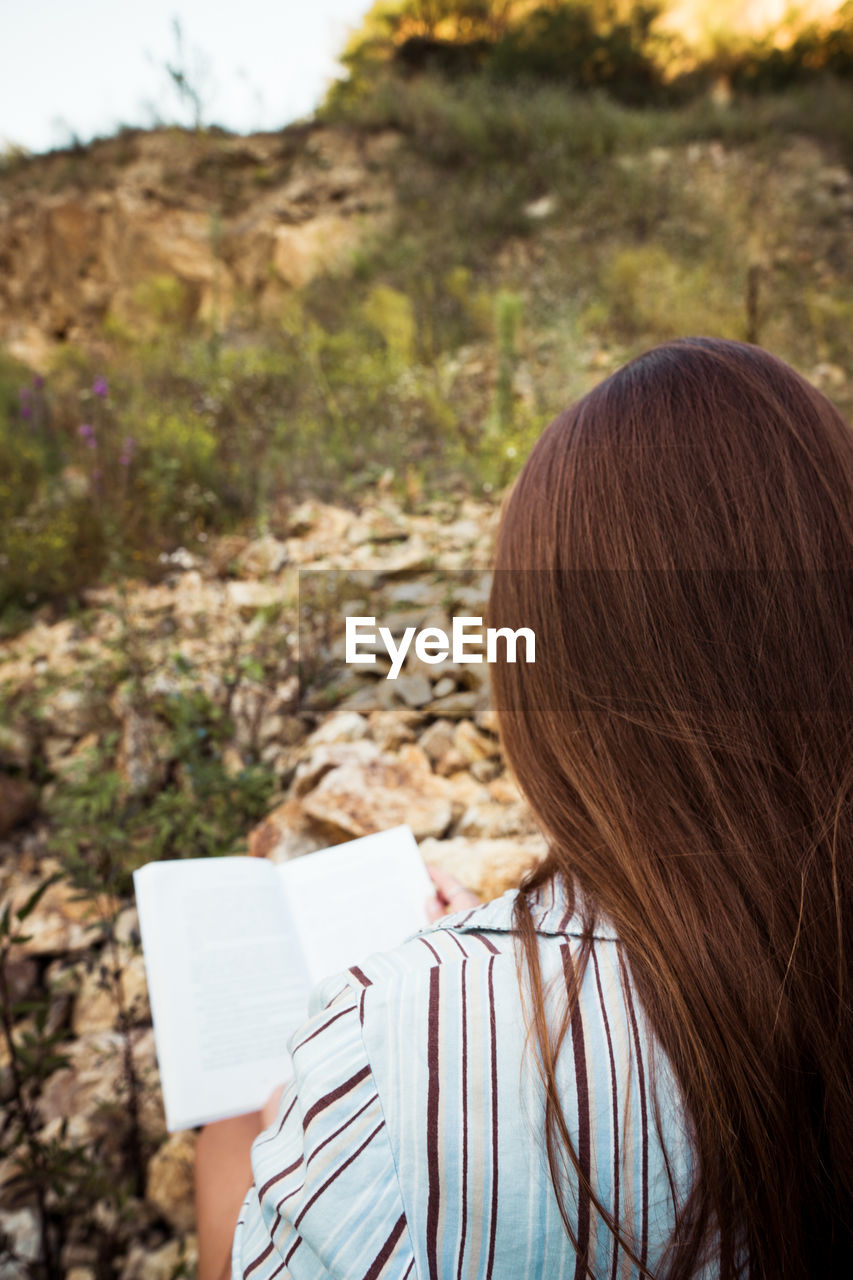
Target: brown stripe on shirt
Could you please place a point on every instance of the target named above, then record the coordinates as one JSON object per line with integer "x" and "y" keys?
{"x": 375, "y": 1268}
{"x": 464, "y": 1226}
{"x": 256, "y": 1262}
{"x": 433, "y": 1160}
{"x": 354, "y": 1156}
{"x": 582, "y": 1086}
{"x": 329, "y": 1098}
{"x": 493, "y": 1037}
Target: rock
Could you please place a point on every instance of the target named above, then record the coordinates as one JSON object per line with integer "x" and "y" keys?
{"x": 225, "y": 552}
{"x": 458, "y": 705}
{"x": 365, "y": 796}
{"x": 412, "y": 556}
{"x": 91, "y": 1089}
{"x": 246, "y": 598}
{"x": 391, "y": 729}
{"x": 330, "y": 756}
{"x": 473, "y": 745}
{"x": 495, "y": 820}
{"x": 18, "y": 803}
{"x": 489, "y": 867}
{"x": 138, "y": 760}
{"x": 342, "y": 726}
{"x": 61, "y": 922}
{"x": 485, "y": 770}
{"x": 414, "y": 690}
{"x": 170, "y": 1182}
{"x": 175, "y": 1258}
{"x": 71, "y": 712}
{"x": 248, "y": 710}
{"x": 262, "y": 558}
{"x": 95, "y": 1006}
{"x": 16, "y": 747}
{"x": 437, "y": 739}
{"x": 443, "y": 687}
{"x": 284, "y": 833}
{"x": 21, "y": 1229}
{"x": 301, "y": 252}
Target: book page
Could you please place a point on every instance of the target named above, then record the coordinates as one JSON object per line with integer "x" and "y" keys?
{"x": 227, "y": 981}
{"x": 356, "y": 898}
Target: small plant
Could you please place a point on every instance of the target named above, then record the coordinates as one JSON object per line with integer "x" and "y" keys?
{"x": 50, "y": 1172}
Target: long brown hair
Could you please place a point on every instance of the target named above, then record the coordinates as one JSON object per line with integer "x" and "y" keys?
{"x": 680, "y": 541}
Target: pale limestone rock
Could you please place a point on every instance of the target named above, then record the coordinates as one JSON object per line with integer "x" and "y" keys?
{"x": 460, "y": 705}
{"x": 92, "y": 1085}
{"x": 16, "y": 747}
{"x": 342, "y": 726}
{"x": 247, "y": 597}
{"x": 138, "y": 761}
{"x": 487, "y": 718}
{"x": 70, "y": 712}
{"x": 411, "y": 556}
{"x": 464, "y": 791}
{"x": 361, "y": 797}
{"x": 176, "y": 1257}
{"x": 248, "y": 707}
{"x": 437, "y": 739}
{"x": 284, "y": 833}
{"x": 302, "y": 252}
{"x": 495, "y": 820}
{"x": 414, "y": 690}
{"x": 95, "y": 1007}
{"x": 473, "y": 745}
{"x": 58, "y": 924}
{"x": 489, "y": 867}
{"x": 443, "y": 686}
{"x": 21, "y": 1227}
{"x": 485, "y": 770}
{"x": 170, "y": 1181}
{"x": 262, "y": 558}
{"x": 331, "y": 756}
{"x": 391, "y": 729}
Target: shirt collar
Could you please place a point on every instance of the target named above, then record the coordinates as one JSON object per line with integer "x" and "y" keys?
{"x": 549, "y": 908}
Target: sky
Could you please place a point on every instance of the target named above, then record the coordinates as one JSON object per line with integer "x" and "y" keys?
{"x": 80, "y": 68}
{"x": 77, "y": 69}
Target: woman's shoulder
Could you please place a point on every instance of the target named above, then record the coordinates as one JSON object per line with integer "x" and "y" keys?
{"x": 467, "y": 941}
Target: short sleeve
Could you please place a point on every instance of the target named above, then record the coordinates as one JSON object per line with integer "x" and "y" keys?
{"x": 325, "y": 1203}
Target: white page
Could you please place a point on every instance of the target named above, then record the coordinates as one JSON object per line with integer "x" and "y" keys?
{"x": 356, "y": 898}
{"x": 227, "y": 982}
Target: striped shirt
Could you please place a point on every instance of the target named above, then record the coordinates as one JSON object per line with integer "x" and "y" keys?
{"x": 410, "y": 1143}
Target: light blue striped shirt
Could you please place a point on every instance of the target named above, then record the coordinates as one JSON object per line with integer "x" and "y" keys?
{"x": 411, "y": 1140}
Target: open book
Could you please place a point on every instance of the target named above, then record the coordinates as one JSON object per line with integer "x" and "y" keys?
{"x": 234, "y": 945}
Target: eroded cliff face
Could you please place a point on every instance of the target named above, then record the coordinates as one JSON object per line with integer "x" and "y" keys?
{"x": 207, "y": 223}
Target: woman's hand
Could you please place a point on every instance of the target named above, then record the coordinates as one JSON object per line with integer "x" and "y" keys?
{"x": 450, "y": 895}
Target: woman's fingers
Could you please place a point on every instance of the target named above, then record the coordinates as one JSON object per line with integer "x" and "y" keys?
{"x": 451, "y": 895}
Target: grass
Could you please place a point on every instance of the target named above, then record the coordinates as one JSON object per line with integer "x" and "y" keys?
{"x": 452, "y": 338}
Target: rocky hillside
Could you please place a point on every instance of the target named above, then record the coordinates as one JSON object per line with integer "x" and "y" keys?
{"x": 232, "y": 219}
{"x": 422, "y": 749}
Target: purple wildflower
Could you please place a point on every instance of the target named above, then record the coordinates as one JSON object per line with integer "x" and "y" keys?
{"x": 87, "y": 431}
{"x": 26, "y": 406}
{"x": 99, "y": 387}
{"x": 38, "y": 382}
{"x": 127, "y": 452}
